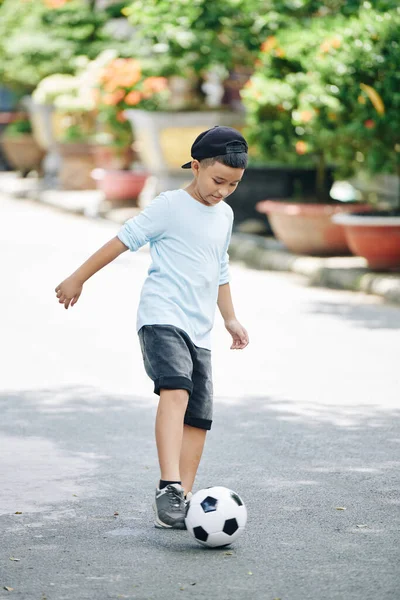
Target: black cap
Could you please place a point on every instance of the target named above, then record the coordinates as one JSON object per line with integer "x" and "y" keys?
{"x": 217, "y": 141}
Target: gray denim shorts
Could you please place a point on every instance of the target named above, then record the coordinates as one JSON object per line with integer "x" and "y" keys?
{"x": 173, "y": 362}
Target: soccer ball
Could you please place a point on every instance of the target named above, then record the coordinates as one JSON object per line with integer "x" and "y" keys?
{"x": 216, "y": 516}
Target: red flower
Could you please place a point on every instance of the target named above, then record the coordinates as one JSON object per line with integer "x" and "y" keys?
{"x": 369, "y": 124}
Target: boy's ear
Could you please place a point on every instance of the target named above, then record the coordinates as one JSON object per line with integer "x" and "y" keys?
{"x": 195, "y": 167}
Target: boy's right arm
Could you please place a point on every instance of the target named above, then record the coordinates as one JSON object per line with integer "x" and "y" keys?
{"x": 70, "y": 289}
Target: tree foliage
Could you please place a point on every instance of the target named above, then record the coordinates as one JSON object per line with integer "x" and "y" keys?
{"x": 37, "y": 40}
{"x": 329, "y": 92}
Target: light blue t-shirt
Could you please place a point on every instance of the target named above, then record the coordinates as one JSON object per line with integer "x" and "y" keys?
{"x": 189, "y": 249}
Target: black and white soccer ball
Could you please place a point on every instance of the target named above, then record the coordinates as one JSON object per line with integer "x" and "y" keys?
{"x": 216, "y": 516}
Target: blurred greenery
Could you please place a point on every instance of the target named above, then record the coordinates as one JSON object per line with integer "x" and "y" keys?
{"x": 37, "y": 40}
{"x": 18, "y": 127}
{"x": 325, "y": 74}
{"x": 191, "y": 36}
{"x": 330, "y": 95}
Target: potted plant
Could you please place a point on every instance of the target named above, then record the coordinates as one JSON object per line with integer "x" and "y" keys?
{"x": 20, "y": 148}
{"x": 71, "y": 121}
{"x": 297, "y": 106}
{"x": 198, "y": 49}
{"x": 56, "y": 35}
{"x": 63, "y": 112}
{"x": 122, "y": 84}
{"x": 373, "y": 148}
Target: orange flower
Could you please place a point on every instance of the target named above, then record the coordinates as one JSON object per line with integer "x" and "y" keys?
{"x": 249, "y": 84}
{"x": 369, "y": 124}
{"x": 55, "y": 3}
{"x": 279, "y": 53}
{"x": 155, "y": 84}
{"x": 133, "y": 98}
{"x": 269, "y": 43}
{"x": 301, "y": 147}
{"x": 325, "y": 46}
{"x": 306, "y": 116}
{"x": 113, "y": 99}
{"x": 121, "y": 117}
{"x": 121, "y": 72}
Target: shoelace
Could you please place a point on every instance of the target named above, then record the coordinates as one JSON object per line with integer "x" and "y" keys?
{"x": 175, "y": 499}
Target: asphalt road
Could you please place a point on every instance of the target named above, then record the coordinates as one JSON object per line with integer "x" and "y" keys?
{"x": 306, "y": 430}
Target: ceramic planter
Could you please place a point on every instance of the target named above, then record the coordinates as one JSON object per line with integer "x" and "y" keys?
{"x": 307, "y": 228}
{"x": 164, "y": 139}
{"x": 120, "y": 188}
{"x": 376, "y": 238}
{"x": 264, "y": 182}
{"x": 22, "y": 152}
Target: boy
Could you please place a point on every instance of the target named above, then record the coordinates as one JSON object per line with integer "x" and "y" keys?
{"x": 189, "y": 232}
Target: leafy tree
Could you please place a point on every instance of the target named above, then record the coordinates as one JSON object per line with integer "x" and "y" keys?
{"x": 42, "y": 37}
{"x": 331, "y": 94}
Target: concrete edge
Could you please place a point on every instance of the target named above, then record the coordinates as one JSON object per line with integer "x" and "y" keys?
{"x": 349, "y": 273}
{"x": 352, "y": 275}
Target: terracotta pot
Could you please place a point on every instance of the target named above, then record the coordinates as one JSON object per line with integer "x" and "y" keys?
{"x": 308, "y": 228}
{"x": 121, "y": 188}
{"x": 109, "y": 157}
{"x": 22, "y": 152}
{"x": 77, "y": 166}
{"x": 376, "y": 238}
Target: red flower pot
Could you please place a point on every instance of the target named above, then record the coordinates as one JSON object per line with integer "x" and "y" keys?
{"x": 307, "y": 228}
{"x": 376, "y": 238}
{"x": 121, "y": 188}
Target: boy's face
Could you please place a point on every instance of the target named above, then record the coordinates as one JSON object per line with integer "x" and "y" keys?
{"x": 215, "y": 182}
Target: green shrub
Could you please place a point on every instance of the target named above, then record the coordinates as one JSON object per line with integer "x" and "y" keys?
{"x": 36, "y": 40}
{"x": 19, "y": 127}
{"x": 329, "y": 93}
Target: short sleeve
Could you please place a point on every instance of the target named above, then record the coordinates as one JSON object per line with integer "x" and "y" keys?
{"x": 148, "y": 226}
{"x": 224, "y": 271}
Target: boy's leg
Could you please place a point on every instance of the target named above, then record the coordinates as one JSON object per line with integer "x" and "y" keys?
{"x": 191, "y": 451}
{"x": 169, "y": 503}
{"x": 198, "y": 418}
{"x": 169, "y": 431}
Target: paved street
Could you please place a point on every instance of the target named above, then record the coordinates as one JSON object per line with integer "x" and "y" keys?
{"x": 306, "y": 424}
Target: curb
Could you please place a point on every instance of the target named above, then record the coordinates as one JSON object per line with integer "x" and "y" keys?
{"x": 341, "y": 272}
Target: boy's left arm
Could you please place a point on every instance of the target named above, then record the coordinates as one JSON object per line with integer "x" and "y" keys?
{"x": 239, "y": 334}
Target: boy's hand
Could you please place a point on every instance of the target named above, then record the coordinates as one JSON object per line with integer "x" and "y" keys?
{"x": 68, "y": 291}
{"x": 239, "y": 335}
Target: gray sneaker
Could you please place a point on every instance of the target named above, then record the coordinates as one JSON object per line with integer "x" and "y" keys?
{"x": 169, "y": 507}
